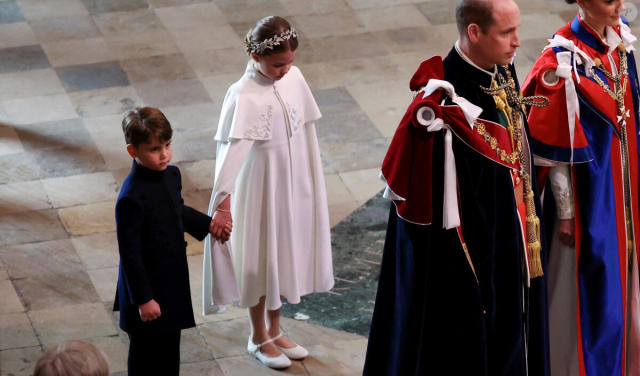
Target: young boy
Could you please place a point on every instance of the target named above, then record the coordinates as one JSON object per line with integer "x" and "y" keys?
{"x": 153, "y": 293}
{"x": 74, "y": 358}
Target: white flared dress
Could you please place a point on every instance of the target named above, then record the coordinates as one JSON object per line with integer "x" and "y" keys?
{"x": 268, "y": 159}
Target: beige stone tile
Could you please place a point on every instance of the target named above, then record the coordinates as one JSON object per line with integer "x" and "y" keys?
{"x": 387, "y": 110}
{"x": 172, "y": 93}
{"x": 77, "y": 51}
{"x": 539, "y": 25}
{"x": 50, "y": 108}
{"x": 10, "y": 301}
{"x": 363, "y": 184}
{"x": 56, "y": 290}
{"x": 19, "y": 362}
{"x": 337, "y": 358}
{"x": 352, "y": 71}
{"x": 68, "y": 27}
{"x": 30, "y": 83}
{"x": 189, "y": 17}
{"x": 366, "y": 4}
{"x": 89, "y": 219}
{"x": 101, "y": 102}
{"x": 318, "y": 26}
{"x": 9, "y": 142}
{"x": 341, "y": 201}
{"x": 81, "y": 189}
{"x": 97, "y": 251}
{"x": 107, "y": 134}
{"x": 128, "y": 22}
{"x": 37, "y": 9}
{"x": 211, "y": 37}
{"x": 127, "y": 46}
{"x": 226, "y": 338}
{"x": 193, "y": 347}
{"x": 16, "y": 331}
{"x": 198, "y": 174}
{"x": 243, "y": 11}
{"x": 30, "y": 226}
{"x": 309, "y": 7}
{"x": 248, "y": 365}
{"x": 208, "y": 63}
{"x": 3, "y": 271}
{"x": 79, "y": 321}
{"x": 42, "y": 258}
{"x": 23, "y": 196}
{"x": 400, "y": 16}
{"x": 307, "y": 334}
{"x": 105, "y": 282}
{"x": 116, "y": 350}
{"x": 217, "y": 87}
{"x": 16, "y": 34}
{"x": 166, "y": 68}
{"x": 192, "y": 116}
{"x": 208, "y": 368}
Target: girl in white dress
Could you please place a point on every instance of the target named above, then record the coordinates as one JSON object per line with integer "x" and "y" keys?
{"x": 269, "y": 176}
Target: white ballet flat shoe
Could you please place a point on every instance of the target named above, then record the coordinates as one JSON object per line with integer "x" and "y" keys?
{"x": 295, "y": 353}
{"x": 275, "y": 362}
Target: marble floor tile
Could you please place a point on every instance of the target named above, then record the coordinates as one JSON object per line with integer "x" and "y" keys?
{"x": 77, "y": 51}
{"x": 422, "y": 39}
{"x": 217, "y": 87}
{"x": 363, "y": 184}
{"x": 50, "y": 108}
{"x": 69, "y": 27}
{"x": 3, "y": 272}
{"x": 337, "y": 358}
{"x": 307, "y": 334}
{"x": 38, "y": 9}
{"x": 89, "y": 219}
{"x": 78, "y": 321}
{"x": 226, "y": 338}
{"x": 18, "y": 167}
{"x": 102, "y": 102}
{"x": 191, "y": 16}
{"x": 309, "y": 7}
{"x": 9, "y": 141}
{"x": 112, "y": 147}
{"x": 173, "y": 3}
{"x": 38, "y": 259}
{"x": 97, "y": 251}
{"x": 56, "y": 290}
{"x": 104, "y": 6}
{"x": 53, "y": 134}
{"x": 391, "y": 17}
{"x": 340, "y": 201}
{"x": 69, "y": 160}
{"x": 193, "y": 116}
{"x": 237, "y": 11}
{"x": 438, "y": 12}
{"x": 16, "y": 331}
{"x": 207, "y": 368}
{"x": 92, "y": 76}
{"x": 154, "y": 68}
{"x": 30, "y": 83}
{"x": 317, "y": 26}
{"x": 17, "y": 59}
{"x": 193, "y": 144}
{"x": 105, "y": 282}
{"x": 335, "y": 100}
{"x": 23, "y": 196}
{"x": 20, "y": 361}
{"x": 143, "y": 44}
{"x": 248, "y": 365}
{"x": 193, "y": 347}
{"x": 116, "y": 350}
{"x": 129, "y": 22}
{"x": 540, "y": 25}
{"x": 385, "y": 111}
{"x": 172, "y": 93}
{"x": 349, "y": 156}
{"x": 10, "y": 301}
{"x": 16, "y": 34}
{"x": 336, "y": 127}
{"x": 366, "y": 4}
{"x": 198, "y": 174}
{"x": 198, "y": 200}
{"x": 211, "y": 37}
{"x": 81, "y": 189}
{"x": 10, "y": 12}
{"x": 352, "y": 71}
{"x": 31, "y": 226}
{"x": 216, "y": 62}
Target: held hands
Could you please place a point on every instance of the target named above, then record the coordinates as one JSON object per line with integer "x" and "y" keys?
{"x": 149, "y": 311}
{"x": 221, "y": 225}
{"x": 566, "y": 232}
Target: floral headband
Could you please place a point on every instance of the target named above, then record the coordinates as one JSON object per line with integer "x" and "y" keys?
{"x": 270, "y": 43}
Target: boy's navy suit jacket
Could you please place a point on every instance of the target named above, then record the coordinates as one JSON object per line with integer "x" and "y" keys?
{"x": 151, "y": 219}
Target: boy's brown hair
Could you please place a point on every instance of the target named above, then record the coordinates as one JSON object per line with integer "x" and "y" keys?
{"x": 142, "y": 123}
{"x": 75, "y": 358}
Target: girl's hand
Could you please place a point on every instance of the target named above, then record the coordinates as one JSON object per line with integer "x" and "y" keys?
{"x": 566, "y": 233}
{"x": 221, "y": 225}
{"x": 149, "y": 311}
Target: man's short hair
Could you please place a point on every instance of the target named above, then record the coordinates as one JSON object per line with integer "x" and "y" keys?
{"x": 479, "y": 12}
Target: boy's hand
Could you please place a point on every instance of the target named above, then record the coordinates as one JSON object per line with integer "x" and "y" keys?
{"x": 149, "y": 311}
{"x": 221, "y": 226}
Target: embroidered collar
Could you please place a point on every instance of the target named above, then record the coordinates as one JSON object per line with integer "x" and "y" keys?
{"x": 470, "y": 62}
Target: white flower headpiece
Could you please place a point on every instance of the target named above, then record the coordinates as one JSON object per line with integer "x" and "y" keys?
{"x": 270, "y": 43}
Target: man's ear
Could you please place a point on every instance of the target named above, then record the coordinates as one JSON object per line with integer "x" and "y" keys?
{"x": 131, "y": 150}
{"x": 473, "y": 33}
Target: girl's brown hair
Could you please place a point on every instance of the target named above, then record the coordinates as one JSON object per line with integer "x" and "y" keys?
{"x": 266, "y": 28}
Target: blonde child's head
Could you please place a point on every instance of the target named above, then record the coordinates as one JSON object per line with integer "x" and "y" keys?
{"x": 74, "y": 358}
{"x": 272, "y": 44}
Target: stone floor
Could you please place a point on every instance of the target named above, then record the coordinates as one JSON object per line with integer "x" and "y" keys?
{"x": 69, "y": 68}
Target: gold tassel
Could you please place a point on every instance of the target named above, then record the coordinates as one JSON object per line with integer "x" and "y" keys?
{"x": 533, "y": 248}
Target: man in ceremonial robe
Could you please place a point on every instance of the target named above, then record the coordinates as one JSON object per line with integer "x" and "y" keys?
{"x": 461, "y": 288}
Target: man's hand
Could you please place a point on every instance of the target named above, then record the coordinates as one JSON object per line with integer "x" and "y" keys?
{"x": 149, "y": 311}
{"x": 566, "y": 232}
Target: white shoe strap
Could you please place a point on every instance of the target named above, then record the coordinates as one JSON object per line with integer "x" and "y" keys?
{"x": 269, "y": 340}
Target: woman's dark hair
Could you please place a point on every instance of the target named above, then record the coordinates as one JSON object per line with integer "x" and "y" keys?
{"x": 140, "y": 124}
{"x": 266, "y": 28}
